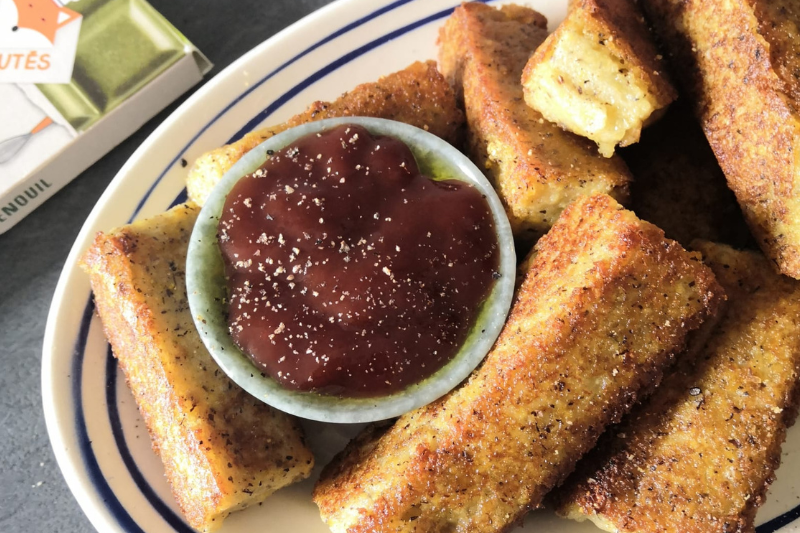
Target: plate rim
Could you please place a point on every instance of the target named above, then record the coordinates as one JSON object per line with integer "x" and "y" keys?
{"x": 71, "y": 467}
{"x": 71, "y": 279}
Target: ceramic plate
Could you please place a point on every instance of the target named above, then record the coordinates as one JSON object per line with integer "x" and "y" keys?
{"x": 98, "y": 437}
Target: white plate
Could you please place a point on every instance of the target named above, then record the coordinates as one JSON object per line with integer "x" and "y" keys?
{"x": 98, "y": 438}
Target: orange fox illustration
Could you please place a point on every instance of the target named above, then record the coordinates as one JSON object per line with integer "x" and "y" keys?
{"x": 43, "y": 16}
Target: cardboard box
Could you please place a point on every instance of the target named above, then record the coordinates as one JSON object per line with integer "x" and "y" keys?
{"x": 74, "y": 83}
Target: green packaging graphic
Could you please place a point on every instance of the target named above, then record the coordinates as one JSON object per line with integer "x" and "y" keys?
{"x": 124, "y": 44}
{"x": 114, "y": 49}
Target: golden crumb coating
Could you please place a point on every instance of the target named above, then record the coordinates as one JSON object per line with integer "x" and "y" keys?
{"x": 678, "y": 185}
{"x": 699, "y": 455}
{"x": 739, "y": 62}
{"x": 417, "y": 95}
{"x": 599, "y": 74}
{"x": 222, "y": 449}
{"x": 605, "y": 304}
{"x": 537, "y": 167}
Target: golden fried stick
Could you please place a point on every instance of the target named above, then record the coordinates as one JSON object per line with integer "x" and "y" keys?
{"x": 679, "y": 186}
{"x": 699, "y": 455}
{"x": 599, "y": 74}
{"x": 222, "y": 449}
{"x": 738, "y": 61}
{"x": 417, "y": 95}
{"x": 605, "y": 304}
{"x": 536, "y": 167}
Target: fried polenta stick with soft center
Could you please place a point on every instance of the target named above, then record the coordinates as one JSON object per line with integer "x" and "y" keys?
{"x": 417, "y": 95}
{"x": 599, "y": 74}
{"x": 605, "y": 304}
{"x": 222, "y": 449}
{"x": 738, "y": 61}
{"x": 679, "y": 186}
{"x": 537, "y": 167}
{"x": 699, "y": 455}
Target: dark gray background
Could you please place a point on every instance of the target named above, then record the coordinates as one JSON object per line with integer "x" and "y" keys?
{"x": 33, "y": 494}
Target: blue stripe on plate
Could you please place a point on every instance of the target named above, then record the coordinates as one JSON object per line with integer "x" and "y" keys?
{"x": 779, "y": 521}
{"x": 338, "y": 33}
{"x": 321, "y": 73}
{"x": 153, "y": 498}
{"x": 158, "y": 504}
{"x": 182, "y": 197}
{"x": 255, "y": 121}
{"x": 99, "y": 481}
{"x": 96, "y": 476}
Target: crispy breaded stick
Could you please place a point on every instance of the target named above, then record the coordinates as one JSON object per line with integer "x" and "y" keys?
{"x": 738, "y": 62}
{"x": 222, "y": 449}
{"x": 699, "y": 455}
{"x": 605, "y": 304}
{"x": 417, "y": 95}
{"x": 679, "y": 186}
{"x": 599, "y": 74}
{"x": 536, "y": 167}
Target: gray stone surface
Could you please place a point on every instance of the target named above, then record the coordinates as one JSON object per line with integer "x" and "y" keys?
{"x": 33, "y": 494}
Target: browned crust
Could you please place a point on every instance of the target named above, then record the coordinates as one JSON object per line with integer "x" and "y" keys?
{"x": 632, "y": 41}
{"x": 603, "y": 307}
{"x": 417, "y": 95}
{"x": 779, "y": 23}
{"x": 537, "y": 167}
{"x": 679, "y": 186}
{"x": 622, "y": 28}
{"x": 733, "y": 59}
{"x": 222, "y": 449}
{"x": 700, "y": 454}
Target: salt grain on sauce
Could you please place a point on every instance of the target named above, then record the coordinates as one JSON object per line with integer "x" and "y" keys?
{"x": 349, "y": 272}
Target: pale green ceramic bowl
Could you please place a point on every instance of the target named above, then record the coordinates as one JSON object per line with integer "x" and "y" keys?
{"x": 206, "y": 286}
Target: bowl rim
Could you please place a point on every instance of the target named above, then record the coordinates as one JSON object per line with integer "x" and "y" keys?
{"x": 205, "y": 284}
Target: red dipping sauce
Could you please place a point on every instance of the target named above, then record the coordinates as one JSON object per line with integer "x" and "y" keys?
{"x": 349, "y": 272}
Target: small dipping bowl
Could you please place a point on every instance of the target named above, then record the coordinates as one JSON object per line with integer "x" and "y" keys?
{"x": 207, "y": 286}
